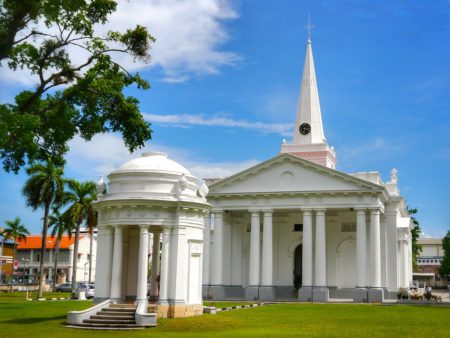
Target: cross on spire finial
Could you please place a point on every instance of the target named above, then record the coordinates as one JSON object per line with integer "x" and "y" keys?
{"x": 309, "y": 28}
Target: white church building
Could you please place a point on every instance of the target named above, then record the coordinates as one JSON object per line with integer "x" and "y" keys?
{"x": 290, "y": 228}
{"x": 294, "y": 227}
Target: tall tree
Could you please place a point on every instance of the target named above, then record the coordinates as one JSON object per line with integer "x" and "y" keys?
{"x": 43, "y": 189}
{"x": 79, "y": 197}
{"x": 72, "y": 96}
{"x": 444, "y": 269}
{"x": 60, "y": 226}
{"x": 415, "y": 234}
{"x": 15, "y": 231}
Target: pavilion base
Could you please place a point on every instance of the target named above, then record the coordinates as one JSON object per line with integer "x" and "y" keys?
{"x": 252, "y": 293}
{"x": 305, "y": 294}
{"x": 320, "y": 295}
{"x": 375, "y": 295}
{"x": 179, "y": 311}
{"x": 360, "y": 295}
{"x": 267, "y": 293}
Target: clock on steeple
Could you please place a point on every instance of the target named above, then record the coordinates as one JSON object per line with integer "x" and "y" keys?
{"x": 304, "y": 129}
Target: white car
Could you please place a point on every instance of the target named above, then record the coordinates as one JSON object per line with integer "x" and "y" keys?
{"x": 88, "y": 289}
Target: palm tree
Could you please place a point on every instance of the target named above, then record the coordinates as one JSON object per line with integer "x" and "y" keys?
{"x": 43, "y": 189}
{"x": 59, "y": 226}
{"x": 91, "y": 224}
{"x": 15, "y": 231}
{"x": 79, "y": 196}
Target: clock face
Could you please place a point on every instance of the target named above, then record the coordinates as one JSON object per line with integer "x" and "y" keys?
{"x": 304, "y": 129}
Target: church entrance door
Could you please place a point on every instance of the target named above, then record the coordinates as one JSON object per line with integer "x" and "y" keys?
{"x": 298, "y": 266}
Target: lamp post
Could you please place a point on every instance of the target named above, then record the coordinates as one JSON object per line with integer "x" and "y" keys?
{"x": 24, "y": 261}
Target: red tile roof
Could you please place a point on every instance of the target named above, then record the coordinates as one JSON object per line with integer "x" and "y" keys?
{"x": 35, "y": 241}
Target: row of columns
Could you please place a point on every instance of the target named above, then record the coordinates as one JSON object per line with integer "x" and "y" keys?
{"x": 110, "y": 275}
{"x": 307, "y": 263}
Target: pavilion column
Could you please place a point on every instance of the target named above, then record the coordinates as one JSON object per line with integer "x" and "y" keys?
{"x": 320, "y": 292}
{"x": 206, "y": 248}
{"x": 154, "y": 294}
{"x": 116, "y": 275}
{"x": 375, "y": 293}
{"x": 141, "y": 293}
{"x": 267, "y": 289}
{"x": 165, "y": 255}
{"x": 305, "y": 293}
{"x": 218, "y": 249}
{"x": 361, "y": 248}
{"x": 103, "y": 264}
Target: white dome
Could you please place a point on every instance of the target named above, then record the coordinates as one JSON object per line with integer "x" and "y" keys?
{"x": 153, "y": 161}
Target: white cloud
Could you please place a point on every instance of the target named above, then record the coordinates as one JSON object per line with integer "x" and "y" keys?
{"x": 184, "y": 120}
{"x": 105, "y": 152}
{"x": 190, "y": 35}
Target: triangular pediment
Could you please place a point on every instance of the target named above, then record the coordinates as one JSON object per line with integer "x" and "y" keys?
{"x": 288, "y": 173}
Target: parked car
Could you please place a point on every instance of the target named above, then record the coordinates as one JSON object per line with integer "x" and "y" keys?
{"x": 88, "y": 289}
{"x": 65, "y": 287}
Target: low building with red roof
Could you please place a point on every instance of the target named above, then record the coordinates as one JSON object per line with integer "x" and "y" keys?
{"x": 29, "y": 257}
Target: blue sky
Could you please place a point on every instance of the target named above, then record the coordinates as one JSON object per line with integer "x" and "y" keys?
{"x": 225, "y": 80}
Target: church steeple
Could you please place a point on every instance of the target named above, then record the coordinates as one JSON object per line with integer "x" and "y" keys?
{"x": 308, "y": 139}
{"x": 308, "y": 125}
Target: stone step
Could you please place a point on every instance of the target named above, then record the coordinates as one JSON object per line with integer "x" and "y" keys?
{"x": 112, "y": 313}
{"x": 123, "y": 306}
{"x": 118, "y": 310}
{"x": 113, "y": 317}
{"x": 109, "y": 321}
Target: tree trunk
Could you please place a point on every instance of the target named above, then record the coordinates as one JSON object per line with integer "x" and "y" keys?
{"x": 43, "y": 248}
{"x": 12, "y": 265}
{"x": 90, "y": 255}
{"x": 55, "y": 268}
{"x": 75, "y": 258}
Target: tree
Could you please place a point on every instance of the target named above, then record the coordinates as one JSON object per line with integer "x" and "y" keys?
{"x": 415, "y": 234}
{"x": 60, "y": 226}
{"x": 43, "y": 189}
{"x": 15, "y": 231}
{"x": 72, "y": 97}
{"x": 79, "y": 196}
{"x": 444, "y": 269}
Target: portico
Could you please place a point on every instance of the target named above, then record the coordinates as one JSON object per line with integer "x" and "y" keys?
{"x": 255, "y": 236}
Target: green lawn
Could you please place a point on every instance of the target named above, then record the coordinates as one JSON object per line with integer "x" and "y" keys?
{"x": 44, "y": 319}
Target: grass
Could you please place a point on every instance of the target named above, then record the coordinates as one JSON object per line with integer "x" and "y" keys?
{"x": 44, "y": 319}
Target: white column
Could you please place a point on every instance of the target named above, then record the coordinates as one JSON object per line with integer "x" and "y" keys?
{"x": 155, "y": 265}
{"x": 375, "y": 248}
{"x": 267, "y": 254}
{"x": 141, "y": 292}
{"x": 307, "y": 248}
{"x": 165, "y": 255}
{"x": 361, "y": 249}
{"x": 254, "y": 249}
{"x": 218, "y": 248}
{"x": 321, "y": 252}
{"x": 116, "y": 276}
{"x": 103, "y": 263}
{"x": 206, "y": 247}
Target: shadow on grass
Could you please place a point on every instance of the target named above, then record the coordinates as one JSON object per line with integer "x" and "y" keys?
{"x": 32, "y": 320}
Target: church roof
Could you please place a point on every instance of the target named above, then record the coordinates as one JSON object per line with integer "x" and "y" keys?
{"x": 351, "y": 182}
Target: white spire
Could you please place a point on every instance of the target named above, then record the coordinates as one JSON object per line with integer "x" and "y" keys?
{"x": 308, "y": 111}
